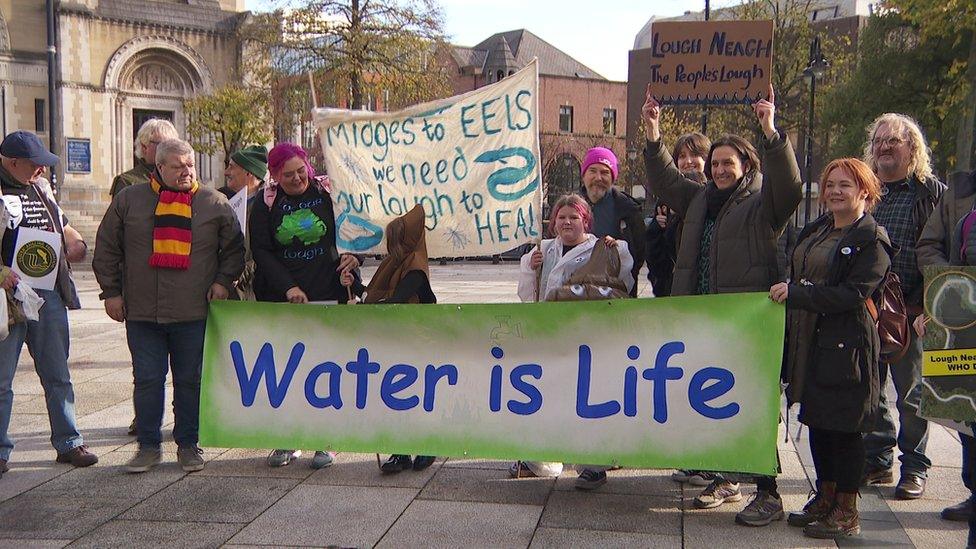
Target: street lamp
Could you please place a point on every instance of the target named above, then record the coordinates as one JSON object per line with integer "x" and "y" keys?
{"x": 815, "y": 69}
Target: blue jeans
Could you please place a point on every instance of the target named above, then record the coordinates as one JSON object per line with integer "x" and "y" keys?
{"x": 913, "y": 433}
{"x": 47, "y": 342}
{"x": 155, "y": 349}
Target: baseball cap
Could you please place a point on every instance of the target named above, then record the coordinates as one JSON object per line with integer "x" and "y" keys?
{"x": 22, "y": 144}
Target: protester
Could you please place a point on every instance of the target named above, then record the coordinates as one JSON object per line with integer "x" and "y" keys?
{"x": 292, "y": 233}
{"x": 163, "y": 251}
{"x": 729, "y": 240}
{"x": 948, "y": 240}
{"x": 247, "y": 168}
{"x": 152, "y": 132}
{"x": 402, "y": 277}
{"x": 832, "y": 344}
{"x": 899, "y": 156}
{"x": 29, "y": 203}
{"x": 547, "y": 267}
{"x": 615, "y": 213}
{"x": 661, "y": 238}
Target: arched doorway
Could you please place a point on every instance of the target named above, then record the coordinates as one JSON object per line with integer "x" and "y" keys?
{"x": 151, "y": 76}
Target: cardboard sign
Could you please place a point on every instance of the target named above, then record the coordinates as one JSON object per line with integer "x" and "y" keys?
{"x": 472, "y": 162}
{"x": 239, "y": 203}
{"x": 36, "y": 257}
{"x": 709, "y": 62}
{"x": 949, "y": 358}
{"x": 599, "y": 382}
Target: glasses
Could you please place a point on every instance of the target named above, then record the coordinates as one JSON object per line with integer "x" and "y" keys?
{"x": 891, "y": 142}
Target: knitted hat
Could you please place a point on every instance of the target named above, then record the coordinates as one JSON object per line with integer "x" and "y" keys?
{"x": 600, "y": 155}
{"x": 253, "y": 159}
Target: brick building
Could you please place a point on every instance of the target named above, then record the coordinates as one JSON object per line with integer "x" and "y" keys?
{"x": 578, "y": 108}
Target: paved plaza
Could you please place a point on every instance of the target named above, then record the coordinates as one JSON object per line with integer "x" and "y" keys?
{"x": 238, "y": 501}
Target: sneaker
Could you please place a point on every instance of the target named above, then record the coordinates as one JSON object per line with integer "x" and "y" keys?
{"x": 396, "y": 464}
{"x": 717, "y": 493}
{"x": 763, "y": 509}
{"x": 280, "y": 458}
{"x": 144, "y": 460}
{"x": 322, "y": 460}
{"x": 701, "y": 478}
{"x": 422, "y": 462}
{"x": 520, "y": 470}
{"x": 78, "y": 456}
{"x": 190, "y": 458}
{"x": 682, "y": 475}
{"x": 591, "y": 480}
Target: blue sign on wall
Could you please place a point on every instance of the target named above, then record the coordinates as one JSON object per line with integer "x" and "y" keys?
{"x": 79, "y": 155}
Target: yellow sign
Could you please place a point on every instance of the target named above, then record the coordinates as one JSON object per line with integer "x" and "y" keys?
{"x": 949, "y": 362}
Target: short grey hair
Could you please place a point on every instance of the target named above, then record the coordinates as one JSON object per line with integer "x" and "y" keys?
{"x": 155, "y": 127}
{"x": 172, "y": 147}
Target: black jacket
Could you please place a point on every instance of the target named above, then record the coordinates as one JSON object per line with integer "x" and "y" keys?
{"x": 630, "y": 222}
{"x": 839, "y": 389}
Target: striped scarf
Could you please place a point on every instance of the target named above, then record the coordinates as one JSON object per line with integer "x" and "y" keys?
{"x": 171, "y": 227}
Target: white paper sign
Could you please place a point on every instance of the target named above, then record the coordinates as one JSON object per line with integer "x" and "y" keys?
{"x": 472, "y": 162}
{"x": 36, "y": 257}
{"x": 239, "y": 203}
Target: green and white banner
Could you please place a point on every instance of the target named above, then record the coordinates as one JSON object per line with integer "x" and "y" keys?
{"x": 689, "y": 382}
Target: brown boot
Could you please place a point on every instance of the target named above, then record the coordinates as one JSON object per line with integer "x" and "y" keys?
{"x": 843, "y": 519}
{"x": 818, "y": 507}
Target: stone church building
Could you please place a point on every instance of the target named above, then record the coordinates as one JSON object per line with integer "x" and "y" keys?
{"x": 119, "y": 63}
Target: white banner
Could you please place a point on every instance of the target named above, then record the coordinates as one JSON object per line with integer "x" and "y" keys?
{"x": 471, "y": 160}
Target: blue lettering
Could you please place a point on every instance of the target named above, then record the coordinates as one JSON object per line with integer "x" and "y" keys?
{"x": 699, "y": 395}
{"x": 466, "y": 121}
{"x": 583, "y": 408}
{"x": 506, "y": 177}
{"x": 264, "y": 366}
{"x": 390, "y": 386}
{"x": 362, "y": 367}
{"x": 519, "y": 384}
{"x": 334, "y": 399}
{"x": 486, "y": 116}
{"x": 431, "y": 376}
{"x": 660, "y": 374}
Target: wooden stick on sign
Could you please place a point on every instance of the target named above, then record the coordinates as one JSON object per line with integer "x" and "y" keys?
{"x": 311, "y": 86}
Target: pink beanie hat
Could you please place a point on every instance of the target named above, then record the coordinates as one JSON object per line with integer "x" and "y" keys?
{"x": 600, "y": 155}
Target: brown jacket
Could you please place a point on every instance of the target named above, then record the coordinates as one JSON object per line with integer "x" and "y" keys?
{"x": 743, "y": 255}
{"x": 124, "y": 243}
{"x": 138, "y": 174}
{"x": 940, "y": 241}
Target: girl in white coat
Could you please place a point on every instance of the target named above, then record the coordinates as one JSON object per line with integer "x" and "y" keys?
{"x": 559, "y": 258}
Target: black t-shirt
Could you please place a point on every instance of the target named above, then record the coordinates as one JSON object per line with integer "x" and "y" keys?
{"x": 294, "y": 244}
{"x": 26, "y": 209}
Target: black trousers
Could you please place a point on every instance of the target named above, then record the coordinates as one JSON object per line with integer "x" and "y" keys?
{"x": 838, "y": 457}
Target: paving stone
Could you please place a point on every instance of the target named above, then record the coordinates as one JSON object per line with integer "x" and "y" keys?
{"x": 361, "y": 470}
{"x": 131, "y": 533}
{"x": 612, "y": 512}
{"x": 246, "y": 462}
{"x": 457, "y": 524}
{"x": 346, "y": 516}
{"x": 708, "y": 528}
{"x": 41, "y": 516}
{"x": 212, "y": 499}
{"x": 923, "y": 526}
{"x": 876, "y": 533}
{"x": 21, "y": 478}
{"x": 486, "y": 485}
{"x": 93, "y": 396}
{"x": 478, "y": 464}
{"x": 38, "y": 543}
{"x": 558, "y": 538}
{"x": 628, "y": 481}
{"x": 108, "y": 479}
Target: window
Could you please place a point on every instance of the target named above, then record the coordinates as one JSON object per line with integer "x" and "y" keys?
{"x": 566, "y": 118}
{"x": 39, "y": 115}
{"x": 610, "y": 121}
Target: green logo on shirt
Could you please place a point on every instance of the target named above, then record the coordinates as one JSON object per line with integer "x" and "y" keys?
{"x": 303, "y": 225}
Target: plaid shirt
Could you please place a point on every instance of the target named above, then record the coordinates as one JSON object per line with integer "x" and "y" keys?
{"x": 895, "y": 213}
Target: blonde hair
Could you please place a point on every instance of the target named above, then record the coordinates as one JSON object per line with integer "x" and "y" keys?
{"x": 154, "y": 127}
{"x": 920, "y": 164}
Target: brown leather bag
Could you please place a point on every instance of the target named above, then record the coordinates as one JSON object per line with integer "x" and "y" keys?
{"x": 891, "y": 317}
{"x": 598, "y": 279}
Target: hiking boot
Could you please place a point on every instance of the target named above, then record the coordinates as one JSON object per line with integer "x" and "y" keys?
{"x": 132, "y": 428}
{"x": 190, "y": 458}
{"x": 280, "y": 458}
{"x": 591, "y": 480}
{"x": 764, "y": 508}
{"x": 818, "y": 506}
{"x": 78, "y": 456}
{"x": 959, "y": 512}
{"x": 422, "y": 462}
{"x": 520, "y": 470}
{"x": 321, "y": 460}
{"x": 910, "y": 487}
{"x": 396, "y": 463}
{"x": 874, "y": 477}
{"x": 842, "y": 520}
{"x": 717, "y": 493}
{"x": 144, "y": 460}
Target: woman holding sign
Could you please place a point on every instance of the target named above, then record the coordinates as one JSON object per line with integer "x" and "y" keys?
{"x": 546, "y": 268}
{"x": 833, "y": 345}
{"x": 729, "y": 240}
{"x": 292, "y": 233}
